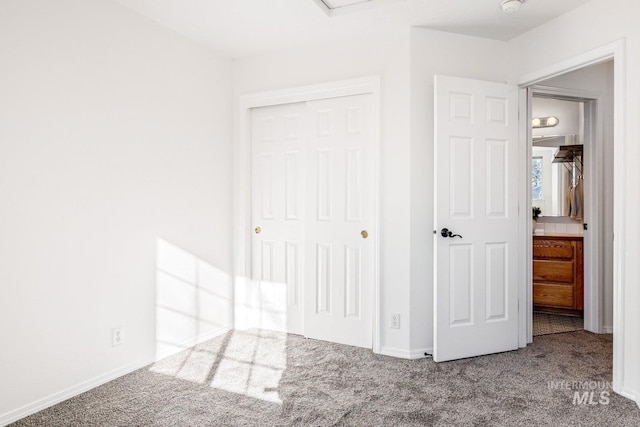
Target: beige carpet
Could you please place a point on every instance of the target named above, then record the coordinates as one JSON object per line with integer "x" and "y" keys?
{"x": 546, "y": 324}
{"x": 258, "y": 378}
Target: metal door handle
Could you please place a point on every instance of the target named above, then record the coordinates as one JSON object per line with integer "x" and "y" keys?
{"x": 258, "y": 230}
{"x": 364, "y": 234}
{"x": 446, "y": 233}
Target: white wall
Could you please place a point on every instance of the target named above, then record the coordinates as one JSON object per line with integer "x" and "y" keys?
{"x": 386, "y": 55}
{"x": 114, "y": 133}
{"x": 432, "y": 53}
{"x": 589, "y": 27}
{"x": 116, "y": 144}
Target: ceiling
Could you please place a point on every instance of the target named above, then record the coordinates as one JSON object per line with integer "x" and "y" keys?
{"x": 240, "y": 28}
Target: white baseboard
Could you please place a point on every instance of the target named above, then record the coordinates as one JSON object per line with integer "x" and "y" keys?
{"x": 607, "y": 329}
{"x": 406, "y": 354}
{"x": 395, "y": 352}
{"x": 630, "y": 394}
{"x": 52, "y": 399}
{"x": 68, "y": 393}
{"x": 420, "y": 353}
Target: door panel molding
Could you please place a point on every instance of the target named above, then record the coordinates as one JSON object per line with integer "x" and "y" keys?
{"x": 475, "y": 289}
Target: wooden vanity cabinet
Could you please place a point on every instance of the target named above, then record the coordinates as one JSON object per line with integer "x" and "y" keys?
{"x": 558, "y": 274}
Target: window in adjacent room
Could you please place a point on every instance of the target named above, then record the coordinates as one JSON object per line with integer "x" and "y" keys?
{"x": 536, "y": 178}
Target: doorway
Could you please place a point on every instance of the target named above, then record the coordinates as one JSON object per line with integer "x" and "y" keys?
{"x": 572, "y": 241}
{"x": 560, "y": 127}
{"x": 613, "y": 52}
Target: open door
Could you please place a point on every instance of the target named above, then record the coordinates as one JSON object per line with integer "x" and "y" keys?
{"x": 476, "y": 218}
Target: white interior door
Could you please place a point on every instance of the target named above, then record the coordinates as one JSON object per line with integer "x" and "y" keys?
{"x": 476, "y": 290}
{"x": 278, "y": 211}
{"x": 340, "y": 239}
{"x": 313, "y": 201}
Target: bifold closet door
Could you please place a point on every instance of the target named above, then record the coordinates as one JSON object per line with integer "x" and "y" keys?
{"x": 313, "y": 213}
{"x": 340, "y": 220}
{"x": 278, "y": 211}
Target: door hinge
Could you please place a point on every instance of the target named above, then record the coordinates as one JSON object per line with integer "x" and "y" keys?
{"x": 585, "y": 226}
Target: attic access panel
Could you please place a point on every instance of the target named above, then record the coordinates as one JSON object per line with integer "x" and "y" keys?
{"x": 339, "y": 7}
{"x": 334, "y": 4}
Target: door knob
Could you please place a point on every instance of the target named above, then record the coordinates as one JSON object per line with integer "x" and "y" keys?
{"x": 446, "y": 233}
{"x": 258, "y": 230}
{"x": 364, "y": 234}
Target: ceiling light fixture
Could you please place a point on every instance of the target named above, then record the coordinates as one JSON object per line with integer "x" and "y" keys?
{"x": 511, "y": 6}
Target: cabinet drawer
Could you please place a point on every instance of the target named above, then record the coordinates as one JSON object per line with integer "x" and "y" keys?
{"x": 553, "y": 249}
{"x": 553, "y": 295}
{"x": 553, "y": 271}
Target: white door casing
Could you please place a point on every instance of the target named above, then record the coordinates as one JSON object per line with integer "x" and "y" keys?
{"x": 476, "y": 275}
{"x": 313, "y": 197}
{"x": 616, "y": 51}
{"x": 340, "y": 251}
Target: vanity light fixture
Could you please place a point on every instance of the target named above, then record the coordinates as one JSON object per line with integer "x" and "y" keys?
{"x": 544, "y": 122}
{"x": 511, "y": 6}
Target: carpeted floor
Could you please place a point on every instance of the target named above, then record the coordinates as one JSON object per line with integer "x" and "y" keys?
{"x": 258, "y": 378}
{"x": 545, "y": 324}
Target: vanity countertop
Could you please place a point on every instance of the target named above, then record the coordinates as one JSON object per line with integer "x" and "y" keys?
{"x": 562, "y": 236}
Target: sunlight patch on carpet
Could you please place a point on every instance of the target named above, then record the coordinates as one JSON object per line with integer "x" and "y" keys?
{"x": 250, "y": 363}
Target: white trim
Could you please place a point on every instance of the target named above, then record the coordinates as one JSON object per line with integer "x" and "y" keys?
{"x": 586, "y": 59}
{"x": 630, "y": 394}
{"x": 406, "y": 354}
{"x": 395, "y": 352}
{"x": 525, "y": 314}
{"x": 68, "y": 393}
{"x": 594, "y": 238}
{"x": 615, "y": 51}
{"x": 242, "y": 176}
{"x": 420, "y": 353}
{"x": 52, "y": 399}
{"x": 607, "y": 329}
{"x": 619, "y": 184}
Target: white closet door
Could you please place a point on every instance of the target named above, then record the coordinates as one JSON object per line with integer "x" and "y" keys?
{"x": 340, "y": 215}
{"x": 278, "y": 205}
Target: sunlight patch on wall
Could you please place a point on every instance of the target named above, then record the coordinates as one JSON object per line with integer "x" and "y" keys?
{"x": 193, "y": 300}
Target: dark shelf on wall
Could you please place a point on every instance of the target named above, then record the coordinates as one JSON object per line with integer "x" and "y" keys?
{"x": 568, "y": 154}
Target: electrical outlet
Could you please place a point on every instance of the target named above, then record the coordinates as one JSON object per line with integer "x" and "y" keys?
{"x": 395, "y": 320}
{"x": 116, "y": 336}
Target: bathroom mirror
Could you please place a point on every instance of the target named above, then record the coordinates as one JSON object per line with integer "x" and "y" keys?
{"x": 556, "y": 168}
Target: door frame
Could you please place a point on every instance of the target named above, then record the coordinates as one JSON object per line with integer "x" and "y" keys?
{"x": 242, "y": 184}
{"x": 593, "y": 253}
{"x": 614, "y": 51}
